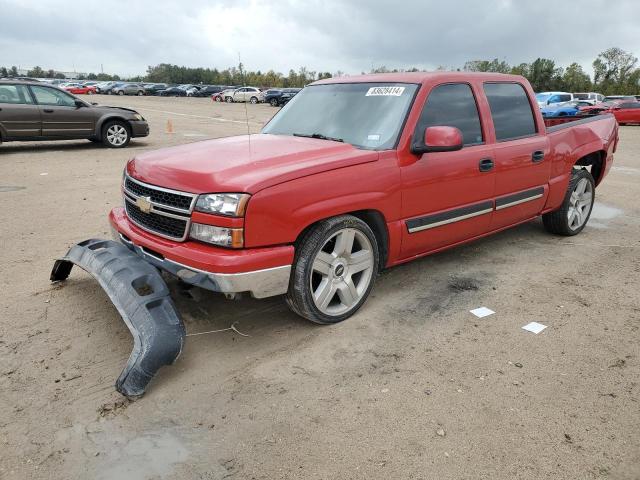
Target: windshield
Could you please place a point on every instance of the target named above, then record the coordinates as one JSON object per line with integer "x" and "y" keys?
{"x": 543, "y": 97}
{"x": 366, "y": 115}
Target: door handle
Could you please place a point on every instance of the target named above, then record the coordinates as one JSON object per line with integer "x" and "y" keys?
{"x": 486, "y": 164}
{"x": 537, "y": 156}
{"x": 48, "y": 110}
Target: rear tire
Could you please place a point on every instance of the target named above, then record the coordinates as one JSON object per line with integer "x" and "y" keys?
{"x": 116, "y": 134}
{"x": 121, "y": 92}
{"x": 334, "y": 270}
{"x": 253, "y": 100}
{"x": 573, "y": 215}
{"x": 140, "y": 93}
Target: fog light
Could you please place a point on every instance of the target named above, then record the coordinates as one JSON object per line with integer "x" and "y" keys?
{"x": 225, "y": 237}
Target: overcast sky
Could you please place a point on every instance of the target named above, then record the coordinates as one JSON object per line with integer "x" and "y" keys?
{"x": 330, "y": 35}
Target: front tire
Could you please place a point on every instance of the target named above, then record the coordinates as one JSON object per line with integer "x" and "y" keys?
{"x": 121, "y": 92}
{"x": 228, "y": 99}
{"x": 573, "y": 215}
{"x": 116, "y": 134}
{"x": 334, "y": 270}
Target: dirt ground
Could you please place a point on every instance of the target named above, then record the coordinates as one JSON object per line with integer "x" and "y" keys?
{"x": 412, "y": 387}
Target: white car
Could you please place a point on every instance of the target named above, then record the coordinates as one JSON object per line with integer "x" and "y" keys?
{"x": 245, "y": 94}
{"x": 551, "y": 99}
{"x": 590, "y": 97}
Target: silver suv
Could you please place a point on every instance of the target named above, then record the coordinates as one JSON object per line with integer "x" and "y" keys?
{"x": 129, "y": 89}
{"x": 245, "y": 94}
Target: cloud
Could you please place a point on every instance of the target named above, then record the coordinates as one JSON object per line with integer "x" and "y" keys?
{"x": 347, "y": 35}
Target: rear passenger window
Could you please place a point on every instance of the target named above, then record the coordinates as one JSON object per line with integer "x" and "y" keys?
{"x": 16, "y": 94}
{"x": 452, "y": 105}
{"x": 510, "y": 110}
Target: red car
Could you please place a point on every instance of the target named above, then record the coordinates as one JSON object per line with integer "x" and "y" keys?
{"x": 78, "y": 89}
{"x": 627, "y": 112}
{"x": 358, "y": 174}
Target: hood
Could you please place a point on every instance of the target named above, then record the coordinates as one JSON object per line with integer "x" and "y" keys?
{"x": 243, "y": 164}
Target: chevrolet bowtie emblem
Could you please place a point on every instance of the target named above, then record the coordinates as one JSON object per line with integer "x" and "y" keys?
{"x": 144, "y": 204}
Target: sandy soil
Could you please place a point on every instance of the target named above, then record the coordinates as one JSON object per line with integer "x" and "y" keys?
{"x": 412, "y": 387}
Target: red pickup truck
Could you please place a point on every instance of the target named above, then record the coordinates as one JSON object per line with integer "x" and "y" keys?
{"x": 353, "y": 175}
{"x": 358, "y": 174}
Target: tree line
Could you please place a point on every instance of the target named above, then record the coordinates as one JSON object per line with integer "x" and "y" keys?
{"x": 615, "y": 71}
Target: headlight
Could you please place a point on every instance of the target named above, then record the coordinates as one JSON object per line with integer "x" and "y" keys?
{"x": 231, "y": 204}
{"x": 225, "y": 237}
{"x": 138, "y": 117}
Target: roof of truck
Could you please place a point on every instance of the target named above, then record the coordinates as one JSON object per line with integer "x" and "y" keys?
{"x": 421, "y": 77}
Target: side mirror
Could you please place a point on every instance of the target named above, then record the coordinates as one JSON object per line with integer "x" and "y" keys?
{"x": 438, "y": 139}
{"x": 617, "y": 107}
{"x": 79, "y": 103}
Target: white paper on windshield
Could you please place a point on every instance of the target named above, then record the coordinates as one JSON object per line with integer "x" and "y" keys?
{"x": 373, "y": 137}
{"x": 384, "y": 92}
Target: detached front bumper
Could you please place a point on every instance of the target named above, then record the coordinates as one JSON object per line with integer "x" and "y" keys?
{"x": 262, "y": 272}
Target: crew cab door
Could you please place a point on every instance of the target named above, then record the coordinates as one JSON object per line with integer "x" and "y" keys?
{"x": 447, "y": 197}
{"x": 19, "y": 116}
{"x": 522, "y": 166}
{"x": 61, "y": 117}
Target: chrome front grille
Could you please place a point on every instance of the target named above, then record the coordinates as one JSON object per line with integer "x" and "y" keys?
{"x": 166, "y": 213}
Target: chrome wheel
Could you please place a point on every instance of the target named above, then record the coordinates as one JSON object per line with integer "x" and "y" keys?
{"x": 117, "y": 135}
{"x": 341, "y": 272}
{"x": 580, "y": 204}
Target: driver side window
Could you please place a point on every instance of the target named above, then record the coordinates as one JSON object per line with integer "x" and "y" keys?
{"x": 51, "y": 96}
{"x": 452, "y": 105}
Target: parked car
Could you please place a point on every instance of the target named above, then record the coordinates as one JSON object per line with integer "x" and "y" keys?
{"x": 220, "y": 96}
{"x": 209, "y": 90}
{"x": 37, "y": 111}
{"x": 591, "y": 97}
{"x": 173, "y": 92}
{"x": 571, "y": 108}
{"x": 105, "y": 86}
{"x": 626, "y": 98}
{"x": 245, "y": 94}
{"x": 627, "y": 112}
{"x": 602, "y": 107}
{"x": 79, "y": 89}
{"x": 288, "y": 94}
{"x": 128, "y": 89}
{"x": 272, "y": 95}
{"x": 549, "y": 99}
{"x": 154, "y": 88}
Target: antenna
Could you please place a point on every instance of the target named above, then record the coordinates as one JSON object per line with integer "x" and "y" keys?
{"x": 246, "y": 113}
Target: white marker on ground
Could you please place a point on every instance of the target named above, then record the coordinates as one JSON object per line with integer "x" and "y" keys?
{"x": 534, "y": 327}
{"x": 482, "y": 312}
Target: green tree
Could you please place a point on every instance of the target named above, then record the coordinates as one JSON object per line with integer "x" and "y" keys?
{"x": 13, "y": 71}
{"x": 544, "y": 75}
{"x": 4, "y": 72}
{"x": 575, "y": 79}
{"x": 612, "y": 69}
{"x": 494, "y": 65}
{"x": 36, "y": 72}
{"x": 522, "y": 69}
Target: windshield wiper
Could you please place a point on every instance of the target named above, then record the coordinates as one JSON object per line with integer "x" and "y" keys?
{"x": 318, "y": 135}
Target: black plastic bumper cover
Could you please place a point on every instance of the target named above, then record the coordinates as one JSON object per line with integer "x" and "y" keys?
{"x": 142, "y": 298}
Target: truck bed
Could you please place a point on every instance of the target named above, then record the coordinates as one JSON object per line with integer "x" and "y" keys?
{"x": 552, "y": 122}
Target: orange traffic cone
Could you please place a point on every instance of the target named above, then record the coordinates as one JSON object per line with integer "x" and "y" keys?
{"x": 169, "y": 128}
